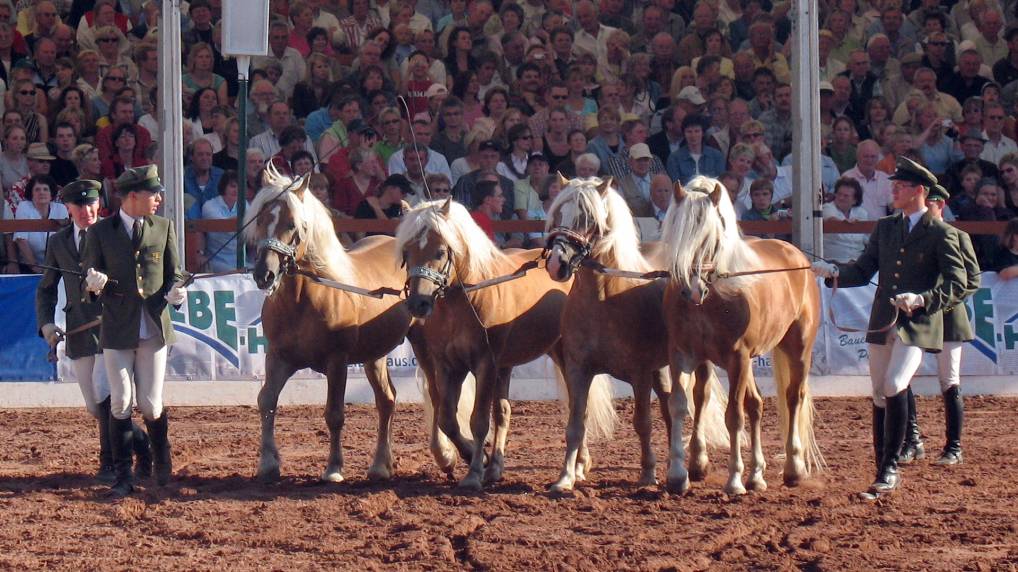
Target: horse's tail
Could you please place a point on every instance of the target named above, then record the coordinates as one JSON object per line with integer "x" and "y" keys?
{"x": 601, "y": 415}
{"x": 712, "y": 418}
{"x": 812, "y": 456}
{"x": 463, "y": 409}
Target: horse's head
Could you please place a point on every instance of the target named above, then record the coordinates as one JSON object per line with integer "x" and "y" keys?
{"x": 428, "y": 257}
{"x": 577, "y": 219}
{"x": 279, "y": 231}
{"x": 695, "y": 229}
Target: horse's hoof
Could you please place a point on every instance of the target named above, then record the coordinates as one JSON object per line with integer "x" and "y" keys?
{"x": 332, "y": 477}
{"x": 647, "y": 481}
{"x": 471, "y": 482}
{"x": 492, "y": 475}
{"x": 793, "y": 473}
{"x": 698, "y": 472}
{"x": 379, "y": 474}
{"x": 268, "y": 475}
{"x": 757, "y": 484}
{"x": 562, "y": 486}
{"x": 735, "y": 488}
{"x": 678, "y": 485}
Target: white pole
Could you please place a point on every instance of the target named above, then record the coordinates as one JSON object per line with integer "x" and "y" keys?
{"x": 808, "y": 226}
{"x": 171, "y": 118}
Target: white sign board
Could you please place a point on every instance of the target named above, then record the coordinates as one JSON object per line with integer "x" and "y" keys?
{"x": 245, "y": 27}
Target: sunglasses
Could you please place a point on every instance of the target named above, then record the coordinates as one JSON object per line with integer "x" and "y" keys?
{"x": 390, "y": 122}
{"x": 442, "y": 190}
{"x": 27, "y": 92}
{"x": 114, "y": 78}
{"x": 754, "y": 135}
{"x": 107, "y": 40}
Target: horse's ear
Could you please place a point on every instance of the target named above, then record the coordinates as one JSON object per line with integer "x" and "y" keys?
{"x": 302, "y": 186}
{"x": 678, "y": 193}
{"x": 562, "y": 181}
{"x": 715, "y": 195}
{"x": 446, "y": 207}
{"x": 605, "y": 186}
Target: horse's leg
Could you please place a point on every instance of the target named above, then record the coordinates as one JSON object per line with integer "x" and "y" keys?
{"x": 678, "y": 478}
{"x": 441, "y": 447}
{"x": 277, "y": 372}
{"x": 385, "y": 402}
{"x": 335, "y": 416}
{"x": 754, "y": 407}
{"x": 642, "y": 425}
{"x": 502, "y": 412}
{"x": 578, "y": 389}
{"x": 794, "y": 357}
{"x": 486, "y": 375}
{"x": 739, "y": 378}
{"x": 449, "y": 384}
{"x": 699, "y": 462}
{"x": 663, "y": 389}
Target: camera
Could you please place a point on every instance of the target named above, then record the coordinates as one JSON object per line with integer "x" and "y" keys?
{"x": 949, "y": 129}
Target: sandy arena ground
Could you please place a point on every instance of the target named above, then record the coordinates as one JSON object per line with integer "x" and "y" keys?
{"x": 214, "y": 517}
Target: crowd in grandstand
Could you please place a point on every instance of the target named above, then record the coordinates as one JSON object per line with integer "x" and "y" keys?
{"x": 390, "y": 102}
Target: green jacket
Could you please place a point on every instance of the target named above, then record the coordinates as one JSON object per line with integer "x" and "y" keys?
{"x": 957, "y": 327}
{"x": 927, "y": 262}
{"x": 143, "y": 278}
{"x": 62, "y": 252}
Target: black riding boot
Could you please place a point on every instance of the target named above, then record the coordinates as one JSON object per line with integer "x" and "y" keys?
{"x": 878, "y": 435}
{"x": 157, "y": 432}
{"x": 142, "y": 453}
{"x": 914, "y": 449}
{"x": 106, "y": 474}
{"x": 954, "y": 413}
{"x": 895, "y": 423}
{"x": 121, "y": 439}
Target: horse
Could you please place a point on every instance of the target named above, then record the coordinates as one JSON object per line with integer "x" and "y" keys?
{"x": 728, "y": 300}
{"x": 611, "y": 324}
{"x": 310, "y": 325}
{"x": 484, "y": 331}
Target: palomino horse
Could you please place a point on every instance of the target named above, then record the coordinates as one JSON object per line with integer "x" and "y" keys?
{"x": 484, "y": 331}
{"x": 761, "y": 299}
{"x": 613, "y": 325}
{"x": 312, "y": 325}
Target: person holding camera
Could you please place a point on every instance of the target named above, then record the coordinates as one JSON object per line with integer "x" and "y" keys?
{"x": 935, "y": 138}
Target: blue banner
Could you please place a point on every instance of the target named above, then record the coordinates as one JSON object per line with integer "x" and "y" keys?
{"x": 22, "y": 351}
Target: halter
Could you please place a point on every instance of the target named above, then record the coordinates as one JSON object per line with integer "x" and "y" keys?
{"x": 564, "y": 235}
{"x": 440, "y": 278}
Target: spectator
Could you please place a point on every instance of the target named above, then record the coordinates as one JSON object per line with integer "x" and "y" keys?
{"x": 876, "y": 118}
{"x": 967, "y": 82}
{"x": 488, "y": 154}
{"x": 13, "y": 162}
{"x": 470, "y": 161}
{"x": 925, "y": 89}
{"x": 989, "y": 43}
{"x": 694, "y": 158}
{"x": 201, "y": 178}
{"x": 223, "y": 245}
{"x": 577, "y": 146}
{"x": 361, "y": 23}
{"x": 636, "y": 185}
{"x": 292, "y": 140}
{"x": 200, "y": 60}
{"x": 587, "y": 165}
{"x": 763, "y": 90}
{"x": 362, "y": 136}
{"x": 289, "y": 59}
{"x": 435, "y": 162}
{"x": 513, "y": 165}
{"x": 1005, "y": 70}
{"x": 228, "y": 157}
{"x": 62, "y": 167}
{"x": 279, "y": 119}
{"x": 936, "y": 148}
{"x": 327, "y": 126}
{"x": 392, "y": 134}
{"x": 591, "y": 36}
{"x": 303, "y": 163}
{"x": 38, "y": 205}
{"x": 200, "y": 111}
{"x": 633, "y": 131}
{"x": 254, "y": 169}
{"x": 661, "y": 190}
{"x": 963, "y": 196}
{"x": 876, "y": 185}
{"x": 997, "y": 144}
{"x": 25, "y": 103}
{"x": 971, "y": 143}
{"x": 125, "y": 153}
{"x": 1006, "y": 260}
{"x": 846, "y": 206}
{"x": 313, "y": 92}
{"x": 778, "y": 122}
{"x": 985, "y": 208}
{"x": 488, "y": 202}
{"x": 44, "y": 22}
{"x": 387, "y": 202}
{"x": 301, "y": 20}
{"x": 761, "y": 196}
{"x": 669, "y": 139}
{"x": 740, "y": 164}
{"x": 526, "y": 201}
{"x": 200, "y": 14}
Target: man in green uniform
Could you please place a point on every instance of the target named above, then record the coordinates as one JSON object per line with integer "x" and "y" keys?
{"x": 922, "y": 272}
{"x": 131, "y": 259}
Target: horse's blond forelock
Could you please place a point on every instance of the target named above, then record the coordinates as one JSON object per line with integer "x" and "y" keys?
{"x": 695, "y": 233}
{"x": 474, "y": 252}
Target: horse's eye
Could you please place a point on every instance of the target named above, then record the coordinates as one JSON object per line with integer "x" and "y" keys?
{"x": 439, "y": 254}
{"x": 291, "y": 227}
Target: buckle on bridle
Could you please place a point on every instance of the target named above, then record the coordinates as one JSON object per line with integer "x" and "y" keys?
{"x": 276, "y": 245}
{"x": 577, "y": 241}
{"x": 439, "y": 278}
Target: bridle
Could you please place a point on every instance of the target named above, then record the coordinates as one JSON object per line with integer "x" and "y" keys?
{"x": 440, "y": 278}
{"x": 287, "y": 256}
{"x": 563, "y": 236}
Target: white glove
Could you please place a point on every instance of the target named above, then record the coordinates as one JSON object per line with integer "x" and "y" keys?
{"x": 177, "y": 294}
{"x": 95, "y": 281}
{"x": 908, "y": 302}
{"x": 825, "y": 269}
{"x": 52, "y": 334}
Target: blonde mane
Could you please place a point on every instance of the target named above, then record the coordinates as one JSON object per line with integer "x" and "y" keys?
{"x": 695, "y": 234}
{"x": 609, "y": 217}
{"x": 323, "y": 251}
{"x": 474, "y": 254}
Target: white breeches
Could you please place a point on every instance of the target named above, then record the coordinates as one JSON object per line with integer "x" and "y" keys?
{"x": 91, "y": 374}
{"x": 137, "y": 375}
{"x": 949, "y": 365}
{"x": 892, "y": 366}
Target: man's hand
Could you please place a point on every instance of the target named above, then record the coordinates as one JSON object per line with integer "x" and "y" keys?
{"x": 52, "y": 334}
{"x": 177, "y": 293}
{"x": 825, "y": 269}
{"x": 908, "y": 302}
{"x": 95, "y": 281}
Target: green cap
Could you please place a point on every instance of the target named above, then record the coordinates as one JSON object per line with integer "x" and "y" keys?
{"x": 80, "y": 192}
{"x": 908, "y": 170}
{"x": 938, "y": 193}
{"x": 144, "y": 178}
